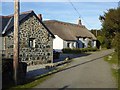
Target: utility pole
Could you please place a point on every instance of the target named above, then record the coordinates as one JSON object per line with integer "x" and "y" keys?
{"x": 16, "y": 41}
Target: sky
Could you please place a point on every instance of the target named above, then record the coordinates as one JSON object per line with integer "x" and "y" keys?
{"x": 63, "y": 11}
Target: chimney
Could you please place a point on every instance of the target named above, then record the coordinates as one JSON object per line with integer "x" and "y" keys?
{"x": 40, "y": 16}
{"x": 79, "y": 22}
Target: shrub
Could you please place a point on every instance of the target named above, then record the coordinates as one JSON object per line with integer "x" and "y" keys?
{"x": 108, "y": 44}
{"x": 78, "y": 50}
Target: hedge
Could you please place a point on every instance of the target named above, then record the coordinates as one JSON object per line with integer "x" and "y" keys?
{"x": 78, "y": 50}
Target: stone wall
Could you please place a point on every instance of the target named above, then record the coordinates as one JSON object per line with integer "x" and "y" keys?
{"x": 42, "y": 52}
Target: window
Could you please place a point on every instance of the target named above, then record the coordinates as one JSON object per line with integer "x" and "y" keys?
{"x": 68, "y": 45}
{"x": 32, "y": 42}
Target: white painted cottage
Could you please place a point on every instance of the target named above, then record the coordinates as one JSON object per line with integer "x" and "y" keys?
{"x": 70, "y": 35}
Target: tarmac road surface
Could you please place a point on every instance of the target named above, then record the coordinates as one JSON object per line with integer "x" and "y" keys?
{"x": 84, "y": 72}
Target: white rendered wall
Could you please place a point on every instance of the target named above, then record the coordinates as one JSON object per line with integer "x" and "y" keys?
{"x": 64, "y": 44}
{"x": 86, "y": 41}
{"x": 75, "y": 45}
{"x": 57, "y": 43}
{"x": 94, "y": 43}
{"x": 72, "y": 44}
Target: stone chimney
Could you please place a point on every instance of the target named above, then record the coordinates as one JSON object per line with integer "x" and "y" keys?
{"x": 40, "y": 16}
{"x": 79, "y": 22}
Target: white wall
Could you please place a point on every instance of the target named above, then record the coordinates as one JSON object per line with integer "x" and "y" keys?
{"x": 93, "y": 44}
{"x": 86, "y": 41}
{"x": 64, "y": 44}
{"x": 72, "y": 44}
{"x": 57, "y": 43}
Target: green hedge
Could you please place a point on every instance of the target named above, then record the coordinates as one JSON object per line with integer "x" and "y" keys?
{"x": 78, "y": 50}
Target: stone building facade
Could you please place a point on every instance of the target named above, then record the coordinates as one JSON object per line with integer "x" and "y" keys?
{"x": 35, "y": 41}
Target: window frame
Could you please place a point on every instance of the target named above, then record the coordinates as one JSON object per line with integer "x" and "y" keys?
{"x": 32, "y": 42}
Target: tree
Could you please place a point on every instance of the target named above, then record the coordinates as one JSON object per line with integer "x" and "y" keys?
{"x": 111, "y": 25}
{"x": 99, "y": 35}
{"x": 96, "y": 32}
{"x": 101, "y": 39}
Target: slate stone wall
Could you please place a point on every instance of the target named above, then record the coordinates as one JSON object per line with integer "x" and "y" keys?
{"x": 43, "y": 50}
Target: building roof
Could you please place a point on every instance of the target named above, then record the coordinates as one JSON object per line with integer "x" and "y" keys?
{"x": 3, "y": 20}
{"x": 8, "y": 21}
{"x": 68, "y": 31}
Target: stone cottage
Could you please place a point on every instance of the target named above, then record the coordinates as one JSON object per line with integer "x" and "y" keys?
{"x": 69, "y": 35}
{"x": 35, "y": 39}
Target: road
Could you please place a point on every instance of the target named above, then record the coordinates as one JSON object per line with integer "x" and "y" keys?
{"x": 84, "y": 72}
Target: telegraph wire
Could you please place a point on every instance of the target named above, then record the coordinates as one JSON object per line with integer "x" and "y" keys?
{"x": 85, "y": 21}
{"x": 75, "y": 8}
{"x": 78, "y": 12}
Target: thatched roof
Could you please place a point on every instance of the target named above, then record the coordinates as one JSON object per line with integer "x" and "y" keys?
{"x": 68, "y": 31}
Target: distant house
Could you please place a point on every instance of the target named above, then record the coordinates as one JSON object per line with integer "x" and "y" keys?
{"x": 35, "y": 39}
{"x": 70, "y": 35}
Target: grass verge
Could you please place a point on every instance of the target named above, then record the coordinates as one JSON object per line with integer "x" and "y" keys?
{"x": 112, "y": 59}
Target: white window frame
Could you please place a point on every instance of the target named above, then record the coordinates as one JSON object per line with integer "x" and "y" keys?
{"x": 32, "y": 42}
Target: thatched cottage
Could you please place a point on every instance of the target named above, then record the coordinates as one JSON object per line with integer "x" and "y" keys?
{"x": 35, "y": 39}
{"x": 70, "y": 35}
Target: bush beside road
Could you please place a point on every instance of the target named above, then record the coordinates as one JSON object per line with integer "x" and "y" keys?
{"x": 78, "y": 50}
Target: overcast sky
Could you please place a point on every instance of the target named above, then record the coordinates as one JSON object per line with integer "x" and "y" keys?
{"x": 63, "y": 11}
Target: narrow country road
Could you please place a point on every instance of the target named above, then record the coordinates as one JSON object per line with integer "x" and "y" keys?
{"x": 84, "y": 72}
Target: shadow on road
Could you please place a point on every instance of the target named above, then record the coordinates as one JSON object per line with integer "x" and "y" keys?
{"x": 37, "y": 72}
{"x": 64, "y": 88}
{"x": 82, "y": 63}
{"x": 41, "y": 71}
{"x": 63, "y": 56}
